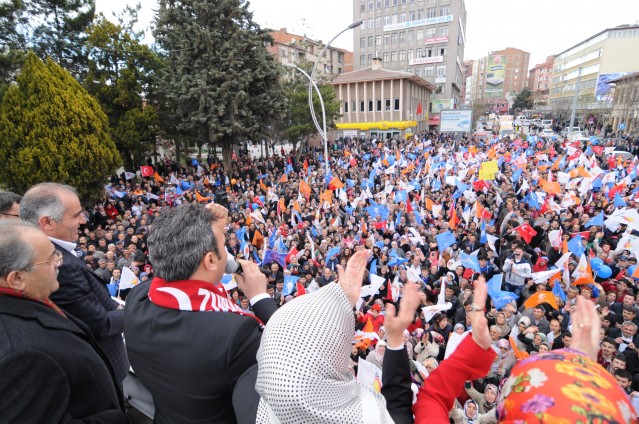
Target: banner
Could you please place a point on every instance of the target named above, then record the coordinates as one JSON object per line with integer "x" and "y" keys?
{"x": 495, "y": 76}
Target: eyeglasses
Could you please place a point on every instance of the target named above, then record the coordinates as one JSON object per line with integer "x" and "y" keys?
{"x": 57, "y": 260}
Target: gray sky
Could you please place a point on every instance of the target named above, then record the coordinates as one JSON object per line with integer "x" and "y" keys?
{"x": 542, "y": 27}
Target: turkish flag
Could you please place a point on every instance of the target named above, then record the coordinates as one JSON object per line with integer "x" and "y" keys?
{"x": 300, "y": 289}
{"x": 526, "y": 231}
{"x": 616, "y": 189}
{"x": 293, "y": 252}
{"x": 380, "y": 225}
{"x": 419, "y": 108}
{"x": 480, "y": 185}
{"x": 598, "y": 149}
{"x": 147, "y": 171}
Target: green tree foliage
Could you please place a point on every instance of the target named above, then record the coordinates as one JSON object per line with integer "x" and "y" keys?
{"x": 523, "y": 101}
{"x": 51, "y": 129}
{"x": 220, "y": 81}
{"x": 12, "y": 41}
{"x": 298, "y": 124}
{"x": 121, "y": 74}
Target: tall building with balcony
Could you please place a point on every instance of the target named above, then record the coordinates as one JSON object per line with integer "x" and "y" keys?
{"x": 594, "y": 62}
{"x": 292, "y": 48}
{"x": 422, "y": 37}
{"x": 539, "y": 80}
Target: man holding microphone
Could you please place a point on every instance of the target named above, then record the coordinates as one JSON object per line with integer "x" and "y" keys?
{"x": 186, "y": 341}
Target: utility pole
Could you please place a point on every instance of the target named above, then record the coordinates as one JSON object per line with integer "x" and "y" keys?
{"x": 574, "y": 101}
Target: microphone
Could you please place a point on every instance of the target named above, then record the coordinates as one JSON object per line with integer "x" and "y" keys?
{"x": 232, "y": 267}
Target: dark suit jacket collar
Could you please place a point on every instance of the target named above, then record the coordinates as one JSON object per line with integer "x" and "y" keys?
{"x": 46, "y": 316}
{"x": 70, "y": 258}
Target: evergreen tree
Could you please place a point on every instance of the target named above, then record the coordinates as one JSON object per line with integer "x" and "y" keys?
{"x": 121, "y": 74}
{"x": 220, "y": 81}
{"x": 51, "y": 129}
{"x": 12, "y": 41}
{"x": 523, "y": 100}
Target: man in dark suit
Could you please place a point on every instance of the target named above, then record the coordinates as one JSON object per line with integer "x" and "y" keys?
{"x": 56, "y": 210}
{"x": 51, "y": 368}
{"x": 187, "y": 342}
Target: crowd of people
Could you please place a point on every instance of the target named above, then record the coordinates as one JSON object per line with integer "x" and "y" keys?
{"x": 500, "y": 239}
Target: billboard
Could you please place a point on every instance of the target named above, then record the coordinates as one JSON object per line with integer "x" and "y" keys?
{"x": 456, "y": 120}
{"x": 605, "y": 91}
{"x": 419, "y": 23}
{"x": 426, "y": 60}
{"x": 495, "y": 76}
{"x": 441, "y": 104}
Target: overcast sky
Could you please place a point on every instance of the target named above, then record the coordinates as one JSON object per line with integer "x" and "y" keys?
{"x": 541, "y": 27}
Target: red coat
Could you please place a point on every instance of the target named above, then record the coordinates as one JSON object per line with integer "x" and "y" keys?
{"x": 377, "y": 322}
{"x": 437, "y": 396}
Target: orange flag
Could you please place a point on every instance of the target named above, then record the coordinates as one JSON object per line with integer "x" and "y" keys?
{"x": 201, "y": 198}
{"x": 555, "y": 278}
{"x": 305, "y": 189}
{"x": 284, "y": 178}
{"x": 335, "y": 184}
{"x": 551, "y": 187}
{"x": 282, "y": 205}
{"x": 327, "y": 196}
{"x": 454, "y": 220}
{"x": 258, "y": 239}
{"x": 636, "y": 273}
{"x": 158, "y": 179}
{"x": 296, "y": 206}
{"x": 206, "y": 181}
{"x": 479, "y": 209}
{"x": 519, "y": 354}
{"x": 429, "y": 204}
{"x": 555, "y": 165}
{"x": 385, "y": 162}
{"x": 539, "y": 298}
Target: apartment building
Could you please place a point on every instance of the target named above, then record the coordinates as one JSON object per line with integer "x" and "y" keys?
{"x": 594, "y": 62}
{"x": 292, "y": 48}
{"x": 425, "y": 38}
{"x": 624, "y": 116}
{"x": 540, "y": 76}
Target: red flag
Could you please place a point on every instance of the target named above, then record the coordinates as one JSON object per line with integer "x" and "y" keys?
{"x": 353, "y": 162}
{"x": 526, "y": 231}
{"x": 480, "y": 185}
{"x": 616, "y": 189}
{"x": 454, "y": 220}
{"x": 147, "y": 171}
{"x": 597, "y": 149}
{"x": 300, "y": 289}
{"x": 584, "y": 234}
{"x": 290, "y": 255}
{"x": 380, "y": 225}
{"x": 409, "y": 207}
{"x": 419, "y": 108}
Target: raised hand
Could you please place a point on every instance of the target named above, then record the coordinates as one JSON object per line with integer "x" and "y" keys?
{"x": 350, "y": 279}
{"x": 585, "y": 328}
{"x": 478, "y": 320}
{"x": 395, "y": 324}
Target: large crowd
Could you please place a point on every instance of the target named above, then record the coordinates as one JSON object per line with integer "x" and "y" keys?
{"x": 543, "y": 221}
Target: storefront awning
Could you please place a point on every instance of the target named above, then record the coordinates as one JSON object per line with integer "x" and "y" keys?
{"x": 379, "y": 125}
{"x": 434, "y": 119}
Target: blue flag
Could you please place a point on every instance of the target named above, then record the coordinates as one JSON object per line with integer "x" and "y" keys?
{"x": 619, "y": 202}
{"x": 289, "y": 284}
{"x": 289, "y": 168}
{"x": 470, "y": 261}
{"x": 259, "y": 177}
{"x": 499, "y": 297}
{"x": 178, "y": 190}
{"x": 401, "y": 196}
{"x": 373, "y": 268}
{"x": 374, "y": 211}
{"x": 274, "y": 256}
{"x": 418, "y": 217}
{"x": 436, "y": 185}
{"x": 350, "y": 183}
{"x": 483, "y": 238}
{"x": 241, "y": 234}
{"x": 444, "y": 240}
{"x": 113, "y": 289}
{"x": 333, "y": 252}
{"x": 557, "y": 290}
{"x": 517, "y": 174}
{"x": 397, "y": 261}
{"x": 575, "y": 246}
{"x": 597, "y": 220}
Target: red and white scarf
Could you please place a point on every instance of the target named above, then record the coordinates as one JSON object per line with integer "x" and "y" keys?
{"x": 7, "y": 291}
{"x": 193, "y": 295}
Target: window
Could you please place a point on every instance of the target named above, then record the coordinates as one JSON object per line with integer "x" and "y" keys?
{"x": 378, "y": 40}
{"x": 345, "y": 107}
{"x": 283, "y": 53}
{"x": 386, "y": 39}
{"x": 431, "y": 12}
{"x": 441, "y": 70}
{"x": 362, "y": 42}
{"x": 370, "y": 5}
{"x": 411, "y": 15}
{"x": 387, "y": 20}
{"x": 378, "y": 105}
{"x": 395, "y": 2}
{"x": 394, "y": 38}
{"x": 378, "y": 4}
{"x": 411, "y": 35}
{"x": 362, "y": 7}
{"x": 370, "y": 105}
{"x": 393, "y": 56}
{"x": 353, "y": 106}
{"x": 402, "y": 17}
{"x": 361, "y": 106}
{"x": 396, "y": 104}
{"x": 421, "y": 14}
{"x": 444, "y": 10}
{"x": 394, "y": 18}
{"x": 442, "y": 51}
{"x": 362, "y": 59}
{"x": 409, "y": 54}
{"x": 386, "y": 57}
{"x": 428, "y": 71}
{"x": 378, "y": 22}
{"x": 430, "y": 32}
{"x": 442, "y": 31}
{"x": 402, "y": 37}
{"x": 428, "y": 52}
{"x": 402, "y": 55}
{"x": 370, "y": 59}
{"x": 371, "y": 41}
{"x": 439, "y": 88}
{"x": 386, "y": 3}
{"x": 418, "y": 71}
{"x": 420, "y": 34}
{"x": 370, "y": 23}
{"x": 387, "y": 104}
{"x": 403, "y": 1}
{"x": 419, "y": 52}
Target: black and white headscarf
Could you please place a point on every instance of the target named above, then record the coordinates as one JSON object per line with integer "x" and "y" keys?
{"x": 303, "y": 365}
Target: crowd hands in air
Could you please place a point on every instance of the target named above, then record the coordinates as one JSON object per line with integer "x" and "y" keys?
{"x": 412, "y": 271}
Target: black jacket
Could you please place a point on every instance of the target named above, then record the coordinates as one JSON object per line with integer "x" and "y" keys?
{"x": 190, "y": 361}
{"x": 52, "y": 370}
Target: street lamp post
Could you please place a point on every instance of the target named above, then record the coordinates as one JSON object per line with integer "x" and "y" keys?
{"x": 312, "y": 85}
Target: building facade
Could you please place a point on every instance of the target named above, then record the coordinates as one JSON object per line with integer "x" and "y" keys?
{"x": 292, "y": 48}
{"x": 624, "y": 116}
{"x": 381, "y": 103}
{"x": 467, "y": 96}
{"x": 594, "y": 62}
{"x": 425, "y": 38}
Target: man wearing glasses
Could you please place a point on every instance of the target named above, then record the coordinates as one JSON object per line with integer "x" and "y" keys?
{"x": 9, "y": 205}
{"x": 52, "y": 369}
{"x": 56, "y": 210}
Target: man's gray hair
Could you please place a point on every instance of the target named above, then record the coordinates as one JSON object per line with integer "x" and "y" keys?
{"x": 630, "y": 323}
{"x": 44, "y": 200}
{"x": 15, "y": 253}
{"x": 7, "y": 199}
{"x": 178, "y": 240}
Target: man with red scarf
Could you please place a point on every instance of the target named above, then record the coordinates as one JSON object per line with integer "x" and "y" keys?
{"x": 51, "y": 366}
{"x": 186, "y": 341}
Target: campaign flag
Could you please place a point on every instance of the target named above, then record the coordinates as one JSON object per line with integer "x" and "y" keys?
{"x": 290, "y": 282}
{"x": 419, "y": 108}
{"x": 288, "y": 257}
{"x": 558, "y": 291}
{"x": 374, "y": 211}
{"x": 397, "y": 261}
{"x": 619, "y": 202}
{"x": 333, "y": 252}
{"x": 483, "y": 238}
{"x": 157, "y": 178}
{"x": 274, "y": 256}
{"x": 373, "y": 267}
{"x": 229, "y": 282}
{"x": 499, "y": 297}
{"x": 470, "y": 261}
{"x": 539, "y": 298}
{"x": 597, "y": 220}
{"x": 401, "y": 196}
{"x": 129, "y": 175}
{"x": 335, "y": 184}
{"x": 147, "y": 171}
{"x": 128, "y": 279}
{"x": 526, "y": 231}
{"x": 444, "y": 240}
{"x": 575, "y": 246}
{"x": 305, "y": 189}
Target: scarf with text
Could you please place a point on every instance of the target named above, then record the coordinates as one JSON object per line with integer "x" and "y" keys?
{"x": 8, "y": 291}
{"x": 193, "y": 295}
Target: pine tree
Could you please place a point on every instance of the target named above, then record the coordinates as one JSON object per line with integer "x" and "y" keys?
{"x": 51, "y": 129}
{"x": 220, "y": 81}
